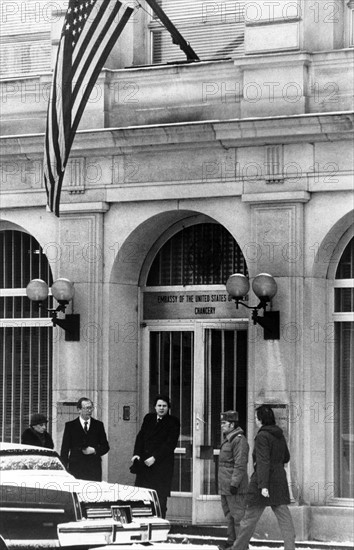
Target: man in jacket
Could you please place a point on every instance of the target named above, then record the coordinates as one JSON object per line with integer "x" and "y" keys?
{"x": 84, "y": 442}
{"x": 232, "y": 473}
{"x": 268, "y": 485}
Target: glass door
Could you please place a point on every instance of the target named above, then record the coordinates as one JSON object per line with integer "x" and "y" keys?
{"x": 203, "y": 368}
{"x": 224, "y": 387}
{"x": 171, "y": 373}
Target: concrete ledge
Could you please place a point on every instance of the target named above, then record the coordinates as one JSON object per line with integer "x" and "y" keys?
{"x": 332, "y": 522}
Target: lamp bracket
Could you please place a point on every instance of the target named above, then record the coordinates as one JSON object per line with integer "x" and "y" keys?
{"x": 71, "y": 322}
{"x": 71, "y": 325}
{"x": 262, "y": 304}
{"x": 270, "y": 321}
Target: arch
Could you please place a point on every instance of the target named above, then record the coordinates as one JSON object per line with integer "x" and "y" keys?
{"x": 144, "y": 241}
{"x": 44, "y": 233}
{"x": 11, "y": 226}
{"x": 332, "y": 246}
{"x": 198, "y": 253}
{"x": 141, "y": 240}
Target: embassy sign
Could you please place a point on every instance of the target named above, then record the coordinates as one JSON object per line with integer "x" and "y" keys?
{"x": 202, "y": 304}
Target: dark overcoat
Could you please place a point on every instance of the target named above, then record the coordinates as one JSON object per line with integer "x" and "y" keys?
{"x": 158, "y": 439}
{"x": 233, "y": 459}
{"x": 31, "y": 437}
{"x": 270, "y": 453}
{"x": 75, "y": 440}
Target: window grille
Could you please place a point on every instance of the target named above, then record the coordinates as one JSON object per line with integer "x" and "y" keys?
{"x": 203, "y": 254}
{"x": 344, "y": 375}
{"x": 215, "y": 30}
{"x": 25, "y": 341}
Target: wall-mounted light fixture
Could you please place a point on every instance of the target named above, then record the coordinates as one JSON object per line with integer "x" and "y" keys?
{"x": 265, "y": 288}
{"x": 63, "y": 291}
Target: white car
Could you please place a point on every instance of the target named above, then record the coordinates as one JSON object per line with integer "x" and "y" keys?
{"x": 42, "y": 505}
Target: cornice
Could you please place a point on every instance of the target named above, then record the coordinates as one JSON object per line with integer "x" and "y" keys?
{"x": 230, "y": 133}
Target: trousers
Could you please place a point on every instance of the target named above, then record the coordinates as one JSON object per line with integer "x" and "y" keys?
{"x": 233, "y": 507}
{"x": 163, "y": 503}
{"x": 249, "y": 522}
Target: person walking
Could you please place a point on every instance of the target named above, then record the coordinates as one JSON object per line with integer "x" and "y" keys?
{"x": 232, "y": 473}
{"x": 37, "y": 434}
{"x": 84, "y": 443}
{"x": 153, "y": 455}
{"x": 268, "y": 485}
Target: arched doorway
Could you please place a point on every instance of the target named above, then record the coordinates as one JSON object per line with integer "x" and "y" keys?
{"x": 194, "y": 348}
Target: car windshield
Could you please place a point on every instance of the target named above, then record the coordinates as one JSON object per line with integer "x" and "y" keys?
{"x": 30, "y": 462}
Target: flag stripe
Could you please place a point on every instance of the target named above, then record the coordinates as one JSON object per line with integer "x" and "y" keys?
{"x": 102, "y": 34}
{"x": 90, "y": 31}
{"x": 85, "y": 36}
{"x": 98, "y": 67}
{"x": 52, "y": 149}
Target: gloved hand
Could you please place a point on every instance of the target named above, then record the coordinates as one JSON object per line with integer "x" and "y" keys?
{"x": 233, "y": 490}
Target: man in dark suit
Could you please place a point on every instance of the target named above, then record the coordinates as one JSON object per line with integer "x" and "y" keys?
{"x": 84, "y": 442}
{"x": 154, "y": 450}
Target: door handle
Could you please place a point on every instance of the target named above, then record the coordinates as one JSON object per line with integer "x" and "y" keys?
{"x": 198, "y": 419}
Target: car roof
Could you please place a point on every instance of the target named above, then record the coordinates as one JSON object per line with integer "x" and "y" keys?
{"x": 17, "y": 448}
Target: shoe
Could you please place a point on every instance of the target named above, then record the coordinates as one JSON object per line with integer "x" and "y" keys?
{"x": 225, "y": 546}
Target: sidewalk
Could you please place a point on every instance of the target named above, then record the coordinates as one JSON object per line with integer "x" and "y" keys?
{"x": 205, "y": 535}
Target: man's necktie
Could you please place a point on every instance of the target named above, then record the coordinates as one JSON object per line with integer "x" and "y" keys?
{"x": 86, "y": 427}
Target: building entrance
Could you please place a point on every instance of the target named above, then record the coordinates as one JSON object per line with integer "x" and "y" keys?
{"x": 203, "y": 367}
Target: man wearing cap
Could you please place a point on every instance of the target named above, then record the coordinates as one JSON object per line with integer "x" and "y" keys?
{"x": 37, "y": 434}
{"x": 232, "y": 473}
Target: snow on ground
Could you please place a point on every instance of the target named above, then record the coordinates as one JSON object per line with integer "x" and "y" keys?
{"x": 212, "y": 541}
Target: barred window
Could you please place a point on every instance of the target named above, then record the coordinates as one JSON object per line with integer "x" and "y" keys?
{"x": 203, "y": 254}
{"x": 25, "y": 336}
{"x": 344, "y": 374}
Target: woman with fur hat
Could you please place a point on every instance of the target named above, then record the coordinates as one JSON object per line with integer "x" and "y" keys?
{"x": 37, "y": 434}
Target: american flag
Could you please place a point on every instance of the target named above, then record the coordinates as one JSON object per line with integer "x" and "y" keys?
{"x": 90, "y": 30}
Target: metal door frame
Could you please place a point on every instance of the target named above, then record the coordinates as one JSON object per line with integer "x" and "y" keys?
{"x": 199, "y": 501}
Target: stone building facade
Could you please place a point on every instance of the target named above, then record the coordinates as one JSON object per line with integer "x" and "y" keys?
{"x": 180, "y": 174}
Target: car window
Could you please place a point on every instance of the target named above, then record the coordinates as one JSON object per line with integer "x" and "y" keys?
{"x": 30, "y": 462}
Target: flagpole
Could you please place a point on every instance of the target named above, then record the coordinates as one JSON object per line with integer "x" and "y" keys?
{"x": 177, "y": 38}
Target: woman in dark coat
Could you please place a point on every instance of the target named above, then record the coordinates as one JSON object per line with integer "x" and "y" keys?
{"x": 155, "y": 443}
{"x": 37, "y": 434}
{"x": 268, "y": 485}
